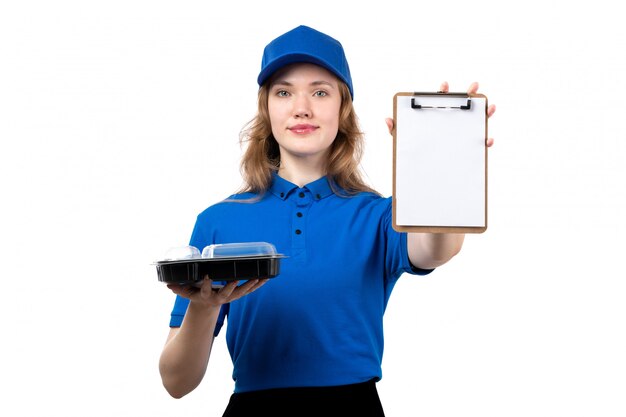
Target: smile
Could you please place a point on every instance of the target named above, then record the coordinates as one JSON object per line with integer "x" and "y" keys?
{"x": 302, "y": 129}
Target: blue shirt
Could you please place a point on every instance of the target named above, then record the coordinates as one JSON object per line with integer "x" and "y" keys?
{"x": 320, "y": 321}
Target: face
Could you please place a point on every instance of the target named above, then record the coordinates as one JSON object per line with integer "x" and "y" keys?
{"x": 303, "y": 103}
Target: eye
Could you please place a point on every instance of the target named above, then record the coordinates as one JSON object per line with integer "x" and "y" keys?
{"x": 321, "y": 93}
{"x": 282, "y": 93}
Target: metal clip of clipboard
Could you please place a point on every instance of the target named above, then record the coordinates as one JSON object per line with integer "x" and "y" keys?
{"x": 467, "y": 106}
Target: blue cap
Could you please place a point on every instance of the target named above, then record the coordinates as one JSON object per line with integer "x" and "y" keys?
{"x": 304, "y": 44}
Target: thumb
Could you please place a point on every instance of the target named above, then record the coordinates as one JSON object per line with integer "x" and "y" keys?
{"x": 390, "y": 126}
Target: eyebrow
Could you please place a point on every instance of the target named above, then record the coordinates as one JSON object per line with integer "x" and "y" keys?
{"x": 314, "y": 83}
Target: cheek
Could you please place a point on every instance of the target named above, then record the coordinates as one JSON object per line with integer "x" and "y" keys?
{"x": 332, "y": 119}
{"x": 273, "y": 110}
{"x": 275, "y": 122}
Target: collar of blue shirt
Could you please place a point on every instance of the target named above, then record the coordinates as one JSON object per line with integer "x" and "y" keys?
{"x": 319, "y": 188}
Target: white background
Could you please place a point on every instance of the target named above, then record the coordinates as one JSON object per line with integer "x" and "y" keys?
{"x": 119, "y": 122}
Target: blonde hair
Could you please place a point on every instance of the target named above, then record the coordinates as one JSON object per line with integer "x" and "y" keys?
{"x": 262, "y": 155}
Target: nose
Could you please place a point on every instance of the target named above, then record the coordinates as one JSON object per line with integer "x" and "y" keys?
{"x": 302, "y": 107}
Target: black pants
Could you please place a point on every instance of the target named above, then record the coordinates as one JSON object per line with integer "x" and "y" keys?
{"x": 344, "y": 400}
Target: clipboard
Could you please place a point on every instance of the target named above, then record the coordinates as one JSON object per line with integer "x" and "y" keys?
{"x": 439, "y": 162}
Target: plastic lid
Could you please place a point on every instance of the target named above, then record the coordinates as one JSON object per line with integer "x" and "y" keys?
{"x": 182, "y": 252}
{"x": 229, "y": 250}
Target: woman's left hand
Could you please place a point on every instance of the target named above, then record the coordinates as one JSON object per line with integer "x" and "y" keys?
{"x": 444, "y": 88}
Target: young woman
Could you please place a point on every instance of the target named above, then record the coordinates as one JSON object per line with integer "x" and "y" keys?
{"x": 310, "y": 340}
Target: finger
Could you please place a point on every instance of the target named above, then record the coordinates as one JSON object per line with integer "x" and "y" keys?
{"x": 444, "y": 87}
{"x": 177, "y": 289}
{"x": 185, "y": 291}
{"x": 473, "y": 88}
{"x": 259, "y": 284}
{"x": 247, "y": 287}
{"x": 489, "y": 142}
{"x": 491, "y": 110}
{"x": 207, "y": 286}
{"x": 252, "y": 286}
{"x": 241, "y": 290}
{"x": 389, "y": 123}
{"x": 227, "y": 290}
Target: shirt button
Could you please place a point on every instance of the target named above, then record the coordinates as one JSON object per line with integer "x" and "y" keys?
{"x": 299, "y": 214}
{"x": 317, "y": 196}
{"x": 301, "y": 194}
{"x": 298, "y": 231}
{"x": 282, "y": 195}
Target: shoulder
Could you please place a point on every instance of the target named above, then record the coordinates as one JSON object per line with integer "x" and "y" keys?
{"x": 231, "y": 203}
{"x": 366, "y": 204}
{"x": 367, "y": 198}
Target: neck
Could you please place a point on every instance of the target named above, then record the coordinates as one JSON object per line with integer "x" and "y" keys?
{"x": 300, "y": 171}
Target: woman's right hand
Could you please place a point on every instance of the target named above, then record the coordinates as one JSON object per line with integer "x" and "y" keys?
{"x": 205, "y": 294}
{"x": 185, "y": 356}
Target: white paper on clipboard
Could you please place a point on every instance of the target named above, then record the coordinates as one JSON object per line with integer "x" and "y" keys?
{"x": 440, "y": 162}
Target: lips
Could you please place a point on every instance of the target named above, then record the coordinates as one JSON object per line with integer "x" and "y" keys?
{"x": 302, "y": 129}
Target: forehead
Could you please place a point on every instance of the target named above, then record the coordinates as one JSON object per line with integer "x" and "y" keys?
{"x": 303, "y": 71}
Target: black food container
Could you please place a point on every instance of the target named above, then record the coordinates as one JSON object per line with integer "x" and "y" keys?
{"x": 221, "y": 262}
